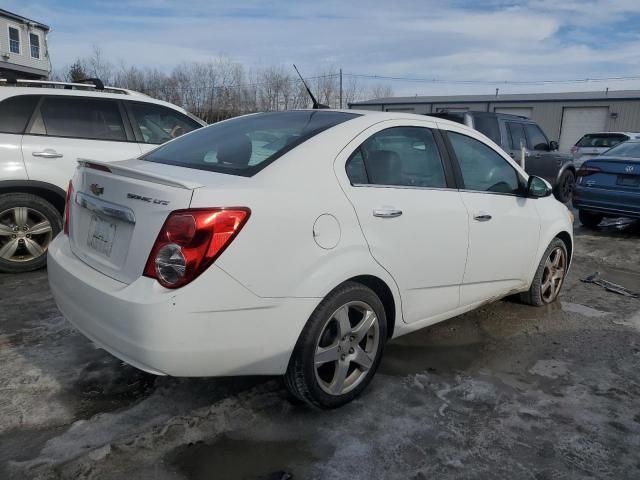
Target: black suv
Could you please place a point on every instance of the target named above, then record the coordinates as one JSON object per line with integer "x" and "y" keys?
{"x": 511, "y": 132}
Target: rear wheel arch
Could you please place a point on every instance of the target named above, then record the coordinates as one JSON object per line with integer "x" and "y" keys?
{"x": 49, "y": 192}
{"x": 384, "y": 293}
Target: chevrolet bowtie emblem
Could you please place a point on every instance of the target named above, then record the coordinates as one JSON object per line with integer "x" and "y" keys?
{"x": 96, "y": 189}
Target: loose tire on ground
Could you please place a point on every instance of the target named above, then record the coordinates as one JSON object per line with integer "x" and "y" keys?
{"x": 551, "y": 269}
{"x": 332, "y": 339}
{"x": 28, "y": 223}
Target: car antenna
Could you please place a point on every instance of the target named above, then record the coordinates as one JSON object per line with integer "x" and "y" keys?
{"x": 316, "y": 105}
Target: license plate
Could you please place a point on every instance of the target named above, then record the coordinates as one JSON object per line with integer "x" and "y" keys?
{"x": 628, "y": 181}
{"x": 101, "y": 234}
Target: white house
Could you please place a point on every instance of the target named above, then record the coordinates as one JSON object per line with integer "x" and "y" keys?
{"x": 23, "y": 47}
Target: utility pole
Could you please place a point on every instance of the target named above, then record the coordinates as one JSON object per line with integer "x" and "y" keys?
{"x": 340, "y": 88}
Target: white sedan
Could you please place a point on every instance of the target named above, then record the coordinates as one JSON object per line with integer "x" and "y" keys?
{"x": 297, "y": 243}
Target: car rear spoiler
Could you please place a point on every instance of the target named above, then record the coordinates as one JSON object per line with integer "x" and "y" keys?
{"x": 129, "y": 172}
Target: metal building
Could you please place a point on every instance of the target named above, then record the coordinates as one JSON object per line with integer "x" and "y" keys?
{"x": 564, "y": 117}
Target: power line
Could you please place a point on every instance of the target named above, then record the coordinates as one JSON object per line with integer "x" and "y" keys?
{"x": 492, "y": 82}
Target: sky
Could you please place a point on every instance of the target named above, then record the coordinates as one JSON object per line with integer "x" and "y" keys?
{"x": 480, "y": 41}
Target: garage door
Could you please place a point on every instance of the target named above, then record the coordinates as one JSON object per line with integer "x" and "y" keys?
{"x": 576, "y": 121}
{"x": 520, "y": 111}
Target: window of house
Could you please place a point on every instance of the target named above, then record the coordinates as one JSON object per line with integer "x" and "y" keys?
{"x": 482, "y": 168}
{"x": 89, "y": 118}
{"x": 14, "y": 40}
{"x": 404, "y": 156}
{"x": 34, "y": 41}
{"x": 537, "y": 140}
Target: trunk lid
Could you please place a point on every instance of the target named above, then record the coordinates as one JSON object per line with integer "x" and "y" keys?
{"x": 119, "y": 208}
{"x": 615, "y": 173}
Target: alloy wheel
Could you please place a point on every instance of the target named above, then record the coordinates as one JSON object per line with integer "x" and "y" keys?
{"x": 568, "y": 186}
{"x": 25, "y": 234}
{"x": 553, "y": 274}
{"x": 346, "y": 348}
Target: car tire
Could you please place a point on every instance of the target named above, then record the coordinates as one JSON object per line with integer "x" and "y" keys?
{"x": 22, "y": 247}
{"x": 566, "y": 185}
{"x": 549, "y": 276}
{"x": 589, "y": 219}
{"x": 339, "y": 349}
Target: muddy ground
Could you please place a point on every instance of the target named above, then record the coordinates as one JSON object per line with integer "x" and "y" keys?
{"x": 508, "y": 391}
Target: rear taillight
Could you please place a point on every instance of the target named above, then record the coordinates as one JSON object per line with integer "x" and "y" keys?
{"x": 190, "y": 241}
{"x": 585, "y": 171}
{"x": 67, "y": 207}
{"x": 96, "y": 166}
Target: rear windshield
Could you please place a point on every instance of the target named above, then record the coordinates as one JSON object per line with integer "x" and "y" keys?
{"x": 245, "y": 145}
{"x": 626, "y": 149}
{"x": 601, "y": 140}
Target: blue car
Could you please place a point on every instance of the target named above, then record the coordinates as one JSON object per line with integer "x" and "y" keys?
{"x": 609, "y": 185}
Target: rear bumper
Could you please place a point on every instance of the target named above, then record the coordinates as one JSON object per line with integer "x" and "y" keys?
{"x": 212, "y": 327}
{"x": 608, "y": 202}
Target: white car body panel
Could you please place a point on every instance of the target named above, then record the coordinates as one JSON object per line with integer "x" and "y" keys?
{"x": 57, "y": 171}
{"x": 244, "y": 314}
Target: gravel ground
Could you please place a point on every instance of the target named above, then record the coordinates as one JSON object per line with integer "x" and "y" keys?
{"x": 508, "y": 391}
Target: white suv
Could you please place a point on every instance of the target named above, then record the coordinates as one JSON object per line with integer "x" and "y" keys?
{"x": 43, "y": 133}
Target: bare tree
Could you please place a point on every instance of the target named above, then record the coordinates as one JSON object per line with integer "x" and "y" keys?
{"x": 221, "y": 87}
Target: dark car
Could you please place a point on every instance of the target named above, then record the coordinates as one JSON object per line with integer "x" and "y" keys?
{"x": 511, "y": 132}
{"x": 609, "y": 185}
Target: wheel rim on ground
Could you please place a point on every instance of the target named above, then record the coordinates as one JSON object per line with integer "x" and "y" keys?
{"x": 25, "y": 234}
{"x": 553, "y": 274}
{"x": 346, "y": 348}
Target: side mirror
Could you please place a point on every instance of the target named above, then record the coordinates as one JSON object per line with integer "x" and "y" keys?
{"x": 553, "y": 145}
{"x": 538, "y": 188}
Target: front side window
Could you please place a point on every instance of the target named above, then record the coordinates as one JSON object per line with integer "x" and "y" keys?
{"x": 517, "y": 138}
{"x": 159, "y": 124}
{"x": 34, "y": 41}
{"x": 482, "y": 168}
{"x": 14, "y": 40}
{"x": 245, "y": 145}
{"x": 89, "y": 118}
{"x": 404, "y": 156}
{"x": 537, "y": 140}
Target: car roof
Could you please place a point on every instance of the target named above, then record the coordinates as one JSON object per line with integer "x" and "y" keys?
{"x": 10, "y": 91}
{"x": 612, "y": 133}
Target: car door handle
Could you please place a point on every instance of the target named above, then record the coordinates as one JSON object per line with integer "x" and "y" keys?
{"x": 47, "y": 153}
{"x": 387, "y": 212}
{"x": 482, "y": 217}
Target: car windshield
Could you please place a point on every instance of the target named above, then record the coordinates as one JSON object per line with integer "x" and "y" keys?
{"x": 626, "y": 149}
{"x": 601, "y": 140}
{"x": 245, "y": 145}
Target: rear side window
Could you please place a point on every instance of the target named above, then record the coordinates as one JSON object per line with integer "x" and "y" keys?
{"x": 15, "y": 113}
{"x": 517, "y": 138}
{"x": 488, "y": 126}
{"x": 601, "y": 140}
{"x": 158, "y": 124}
{"x": 245, "y": 145}
{"x": 537, "y": 140}
{"x": 88, "y": 118}
{"x": 404, "y": 156}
